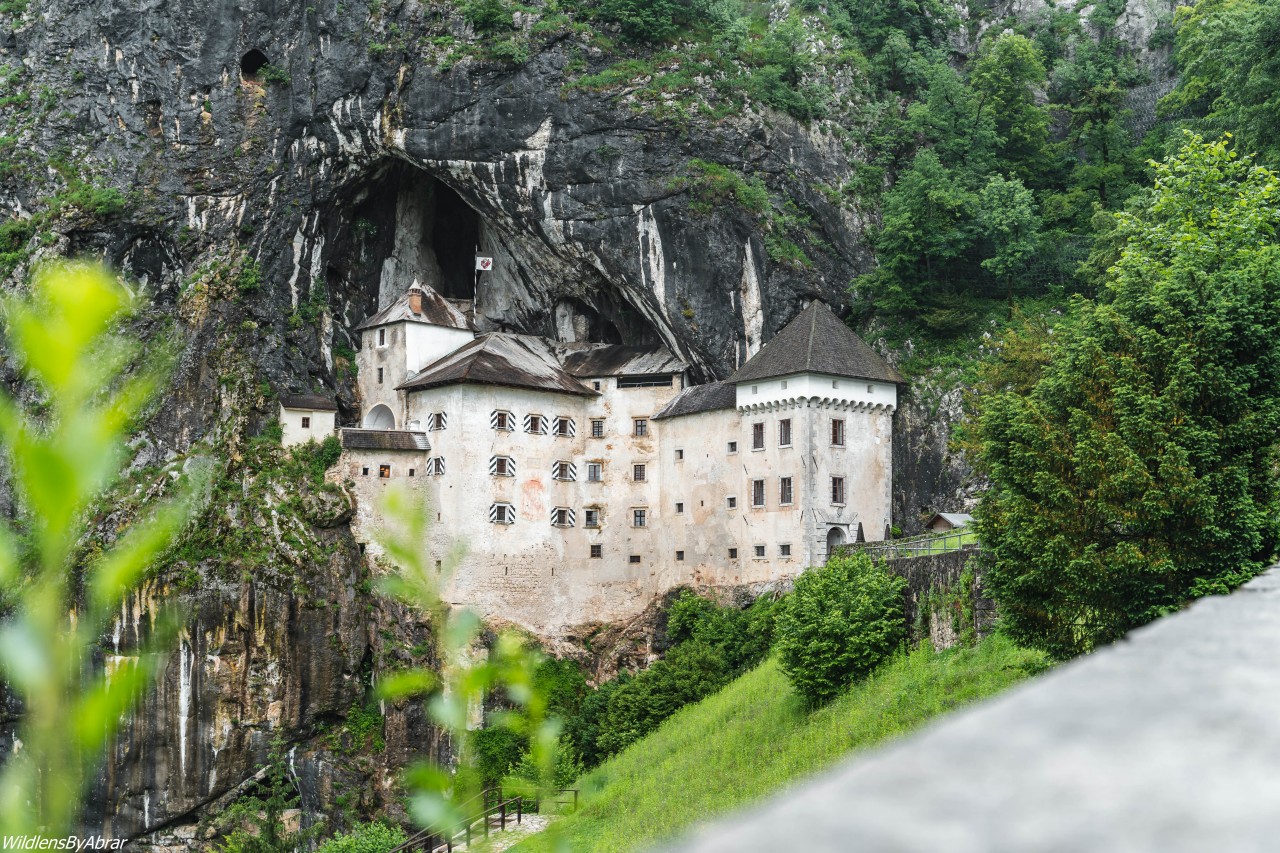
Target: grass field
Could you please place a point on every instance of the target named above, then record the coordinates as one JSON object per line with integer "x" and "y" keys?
{"x": 754, "y": 737}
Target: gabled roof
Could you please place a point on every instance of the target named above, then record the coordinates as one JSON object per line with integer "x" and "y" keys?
{"x": 517, "y": 361}
{"x": 436, "y": 311}
{"x": 308, "y": 402}
{"x": 384, "y": 439}
{"x": 616, "y": 360}
{"x": 700, "y": 398}
{"x": 955, "y": 519}
{"x": 816, "y": 341}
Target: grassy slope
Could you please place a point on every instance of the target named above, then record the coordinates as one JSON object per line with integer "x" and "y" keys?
{"x": 754, "y": 737}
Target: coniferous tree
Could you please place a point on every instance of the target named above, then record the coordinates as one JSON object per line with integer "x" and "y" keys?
{"x": 1138, "y": 470}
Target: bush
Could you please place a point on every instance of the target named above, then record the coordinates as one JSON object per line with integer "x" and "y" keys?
{"x": 837, "y": 626}
{"x": 497, "y": 750}
{"x": 374, "y": 837}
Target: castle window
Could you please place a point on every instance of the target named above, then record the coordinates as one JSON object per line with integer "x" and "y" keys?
{"x": 565, "y": 427}
{"x": 364, "y": 472}
{"x": 646, "y": 380}
{"x": 633, "y": 559}
{"x": 732, "y": 503}
{"x": 382, "y": 337}
{"x": 755, "y": 389}
{"x": 733, "y": 447}
{"x": 835, "y": 383}
{"x": 733, "y": 553}
{"x": 757, "y": 492}
{"x": 504, "y": 421}
{"x": 306, "y": 423}
{"x": 679, "y": 454}
{"x": 871, "y": 389}
{"x": 759, "y": 551}
{"x": 837, "y": 432}
{"x": 784, "y": 385}
{"x": 784, "y": 550}
{"x": 641, "y": 427}
{"x": 379, "y": 375}
{"x": 435, "y": 466}
{"x": 679, "y": 507}
{"x": 591, "y": 518}
{"x": 564, "y": 471}
{"x": 784, "y": 490}
{"x": 757, "y": 436}
{"x": 784, "y": 432}
{"x": 535, "y": 424}
{"x": 411, "y": 472}
{"x": 437, "y": 421}
{"x": 837, "y": 490}
{"x": 638, "y": 473}
{"x": 639, "y": 517}
{"x": 597, "y": 428}
{"x": 502, "y": 513}
{"x": 502, "y": 466}
{"x": 384, "y": 471}
{"x": 595, "y": 384}
{"x": 595, "y": 472}
{"x": 563, "y": 517}
{"x": 679, "y": 556}
{"x": 597, "y": 551}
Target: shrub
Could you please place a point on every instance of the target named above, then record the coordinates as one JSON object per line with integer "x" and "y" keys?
{"x": 837, "y": 626}
{"x": 496, "y": 750}
{"x": 374, "y": 837}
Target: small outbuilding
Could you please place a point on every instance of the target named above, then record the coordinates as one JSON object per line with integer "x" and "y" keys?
{"x": 305, "y": 417}
{"x": 943, "y": 522}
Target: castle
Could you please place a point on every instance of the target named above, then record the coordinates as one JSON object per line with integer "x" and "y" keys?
{"x": 580, "y": 480}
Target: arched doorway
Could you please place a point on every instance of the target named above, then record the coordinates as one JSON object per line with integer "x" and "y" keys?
{"x": 835, "y": 539}
{"x": 380, "y": 417}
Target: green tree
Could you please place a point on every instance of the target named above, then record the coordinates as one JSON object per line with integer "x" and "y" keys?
{"x": 1138, "y": 471}
{"x": 1006, "y": 76}
{"x": 1230, "y": 70}
{"x": 94, "y": 383}
{"x": 838, "y": 624}
{"x": 1009, "y": 221}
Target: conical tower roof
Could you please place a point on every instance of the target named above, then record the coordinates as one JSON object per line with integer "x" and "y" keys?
{"x": 816, "y": 341}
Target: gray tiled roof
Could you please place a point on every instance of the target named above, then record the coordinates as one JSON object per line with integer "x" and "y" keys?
{"x": 700, "y": 398}
{"x": 617, "y": 360}
{"x": 308, "y": 402}
{"x": 496, "y": 358}
{"x": 384, "y": 439}
{"x": 436, "y": 311}
{"x": 816, "y": 341}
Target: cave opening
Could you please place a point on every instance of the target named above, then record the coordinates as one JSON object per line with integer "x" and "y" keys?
{"x": 251, "y": 64}
{"x": 455, "y": 237}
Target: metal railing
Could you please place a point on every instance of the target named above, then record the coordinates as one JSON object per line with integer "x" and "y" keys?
{"x": 920, "y": 546}
{"x": 495, "y": 812}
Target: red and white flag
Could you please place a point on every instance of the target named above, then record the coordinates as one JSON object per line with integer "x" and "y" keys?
{"x": 483, "y": 264}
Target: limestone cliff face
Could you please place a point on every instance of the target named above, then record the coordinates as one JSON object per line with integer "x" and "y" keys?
{"x": 288, "y": 168}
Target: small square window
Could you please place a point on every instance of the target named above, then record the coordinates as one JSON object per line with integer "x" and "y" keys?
{"x": 504, "y": 421}
{"x": 784, "y": 550}
{"x": 835, "y": 383}
{"x": 784, "y": 385}
{"x": 638, "y": 473}
{"x": 639, "y": 517}
{"x": 733, "y": 553}
{"x": 679, "y": 507}
{"x": 732, "y": 502}
{"x": 364, "y": 472}
{"x": 595, "y": 472}
{"x": 871, "y": 389}
{"x": 733, "y": 447}
{"x": 759, "y": 550}
{"x": 633, "y": 559}
{"x": 597, "y": 428}
{"x": 306, "y": 423}
{"x": 641, "y": 427}
{"x": 535, "y": 424}
{"x": 595, "y": 384}
{"x": 379, "y": 375}
{"x": 411, "y": 472}
{"x": 564, "y": 427}
{"x": 597, "y": 551}
{"x": 384, "y": 471}
{"x": 591, "y": 518}
{"x": 679, "y": 454}
{"x": 755, "y": 389}
{"x": 679, "y": 556}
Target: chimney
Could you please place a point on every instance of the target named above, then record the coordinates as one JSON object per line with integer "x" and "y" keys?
{"x": 415, "y": 298}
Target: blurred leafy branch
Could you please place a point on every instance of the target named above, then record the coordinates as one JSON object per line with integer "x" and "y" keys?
{"x": 441, "y": 798}
{"x": 94, "y": 383}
